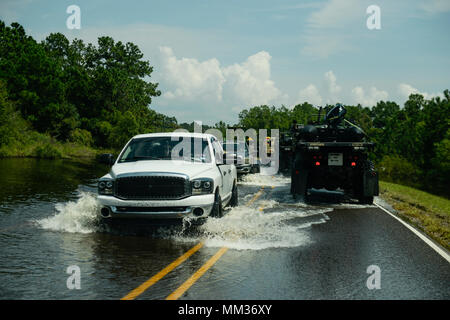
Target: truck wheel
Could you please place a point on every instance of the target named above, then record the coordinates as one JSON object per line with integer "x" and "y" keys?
{"x": 217, "y": 210}
{"x": 234, "y": 196}
{"x": 368, "y": 167}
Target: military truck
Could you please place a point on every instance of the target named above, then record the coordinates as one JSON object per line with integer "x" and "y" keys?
{"x": 331, "y": 153}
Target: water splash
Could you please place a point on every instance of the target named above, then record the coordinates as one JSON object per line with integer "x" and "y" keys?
{"x": 258, "y": 179}
{"x": 78, "y": 216}
{"x": 278, "y": 225}
{"x": 247, "y": 228}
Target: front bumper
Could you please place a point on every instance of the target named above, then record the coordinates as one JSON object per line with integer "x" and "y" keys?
{"x": 112, "y": 207}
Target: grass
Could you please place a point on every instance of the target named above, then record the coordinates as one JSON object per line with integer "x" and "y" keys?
{"x": 427, "y": 212}
{"x": 37, "y": 145}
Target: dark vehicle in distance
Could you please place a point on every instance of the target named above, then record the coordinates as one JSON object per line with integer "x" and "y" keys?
{"x": 244, "y": 161}
{"x": 333, "y": 154}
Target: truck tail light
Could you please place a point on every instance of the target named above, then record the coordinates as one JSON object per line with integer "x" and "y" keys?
{"x": 317, "y": 163}
{"x": 353, "y": 164}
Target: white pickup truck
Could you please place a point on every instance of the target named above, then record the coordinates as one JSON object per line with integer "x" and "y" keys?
{"x": 147, "y": 181}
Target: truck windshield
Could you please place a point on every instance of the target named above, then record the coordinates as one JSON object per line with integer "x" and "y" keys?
{"x": 167, "y": 148}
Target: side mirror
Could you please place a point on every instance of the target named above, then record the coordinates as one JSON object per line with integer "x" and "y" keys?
{"x": 107, "y": 158}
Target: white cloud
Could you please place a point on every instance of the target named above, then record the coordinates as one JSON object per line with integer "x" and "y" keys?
{"x": 189, "y": 79}
{"x": 249, "y": 83}
{"x": 311, "y": 95}
{"x": 233, "y": 87}
{"x": 331, "y": 93}
{"x": 368, "y": 100}
{"x": 333, "y": 88}
{"x": 406, "y": 90}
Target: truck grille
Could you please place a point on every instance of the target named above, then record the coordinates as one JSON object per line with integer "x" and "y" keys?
{"x": 152, "y": 187}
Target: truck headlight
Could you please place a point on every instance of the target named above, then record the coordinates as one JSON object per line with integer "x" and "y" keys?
{"x": 197, "y": 184}
{"x": 106, "y": 187}
{"x": 202, "y": 186}
{"x": 207, "y": 184}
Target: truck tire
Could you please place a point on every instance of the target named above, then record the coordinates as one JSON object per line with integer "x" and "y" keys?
{"x": 234, "y": 196}
{"x": 368, "y": 166}
{"x": 299, "y": 182}
{"x": 217, "y": 210}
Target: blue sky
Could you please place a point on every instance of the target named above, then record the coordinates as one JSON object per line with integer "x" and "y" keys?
{"x": 212, "y": 58}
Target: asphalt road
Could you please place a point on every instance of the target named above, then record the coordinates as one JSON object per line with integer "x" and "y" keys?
{"x": 269, "y": 247}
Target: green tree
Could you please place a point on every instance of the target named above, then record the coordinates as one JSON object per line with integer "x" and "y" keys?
{"x": 13, "y": 127}
{"x": 34, "y": 81}
{"x": 105, "y": 82}
{"x": 304, "y": 113}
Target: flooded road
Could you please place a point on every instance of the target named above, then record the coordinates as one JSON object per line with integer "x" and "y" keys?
{"x": 269, "y": 247}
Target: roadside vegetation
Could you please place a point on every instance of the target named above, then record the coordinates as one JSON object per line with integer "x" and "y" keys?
{"x": 19, "y": 139}
{"x": 427, "y": 212}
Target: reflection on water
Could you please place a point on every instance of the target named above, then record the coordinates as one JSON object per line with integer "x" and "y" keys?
{"x": 33, "y": 261}
{"x": 26, "y": 181}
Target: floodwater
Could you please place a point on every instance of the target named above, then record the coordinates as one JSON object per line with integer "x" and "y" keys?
{"x": 277, "y": 247}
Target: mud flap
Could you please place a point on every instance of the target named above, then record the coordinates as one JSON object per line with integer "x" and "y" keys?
{"x": 370, "y": 183}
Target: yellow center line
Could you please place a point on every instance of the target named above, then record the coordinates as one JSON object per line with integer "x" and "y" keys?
{"x": 147, "y": 284}
{"x": 200, "y": 272}
{"x": 256, "y": 196}
{"x": 189, "y": 282}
